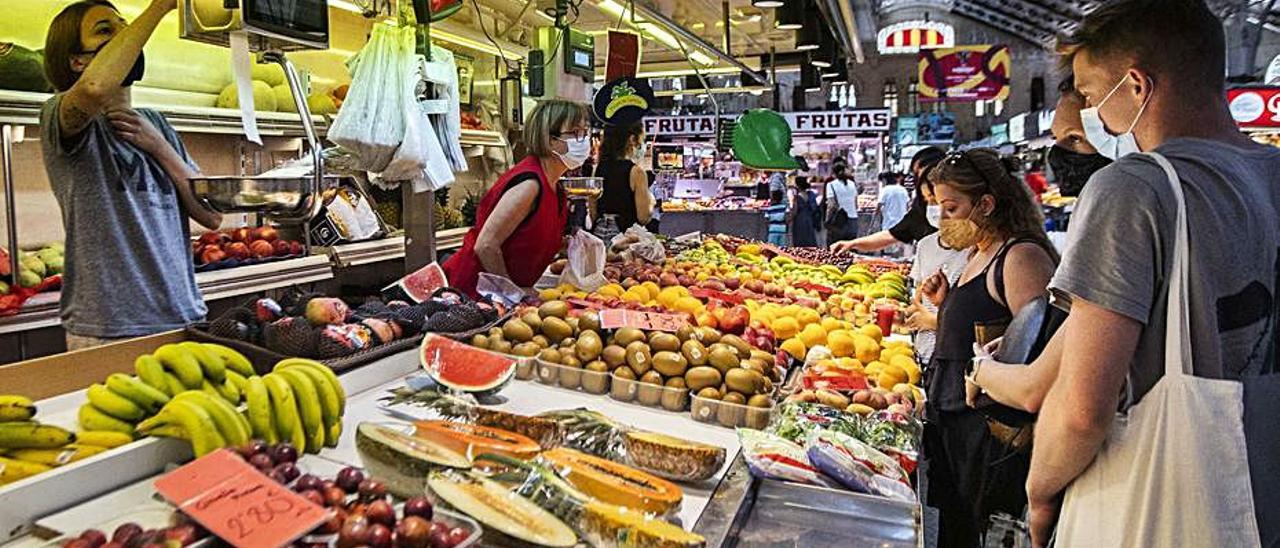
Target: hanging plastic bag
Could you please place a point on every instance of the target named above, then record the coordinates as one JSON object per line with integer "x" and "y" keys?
{"x": 371, "y": 122}
{"x": 586, "y": 262}
{"x": 646, "y": 246}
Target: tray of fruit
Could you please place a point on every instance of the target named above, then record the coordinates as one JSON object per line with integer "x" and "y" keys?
{"x": 38, "y": 271}
{"x": 242, "y": 246}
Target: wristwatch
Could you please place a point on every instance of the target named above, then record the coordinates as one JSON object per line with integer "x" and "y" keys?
{"x": 974, "y": 365}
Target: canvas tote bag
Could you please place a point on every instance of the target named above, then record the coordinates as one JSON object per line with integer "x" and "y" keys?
{"x": 1173, "y": 470}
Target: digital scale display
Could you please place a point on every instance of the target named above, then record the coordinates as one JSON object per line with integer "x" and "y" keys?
{"x": 301, "y": 19}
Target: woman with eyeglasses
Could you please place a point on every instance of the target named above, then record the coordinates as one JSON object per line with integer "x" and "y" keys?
{"x": 119, "y": 175}
{"x": 986, "y": 210}
{"x": 520, "y": 221}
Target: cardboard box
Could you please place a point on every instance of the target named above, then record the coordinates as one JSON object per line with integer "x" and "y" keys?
{"x": 61, "y": 373}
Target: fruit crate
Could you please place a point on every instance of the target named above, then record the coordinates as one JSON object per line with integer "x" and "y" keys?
{"x": 731, "y": 415}
{"x": 573, "y": 378}
{"x": 264, "y": 359}
{"x": 649, "y": 395}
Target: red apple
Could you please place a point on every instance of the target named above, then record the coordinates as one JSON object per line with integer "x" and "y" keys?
{"x": 211, "y": 238}
{"x": 237, "y": 250}
{"x": 241, "y": 234}
{"x": 261, "y": 248}
{"x": 280, "y": 248}
{"x": 212, "y": 254}
{"x": 267, "y": 233}
{"x": 295, "y": 248}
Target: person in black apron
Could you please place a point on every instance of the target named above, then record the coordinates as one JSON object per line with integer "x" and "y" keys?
{"x": 970, "y": 474}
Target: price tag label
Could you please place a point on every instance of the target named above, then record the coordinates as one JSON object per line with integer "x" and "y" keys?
{"x": 615, "y": 318}
{"x": 238, "y": 503}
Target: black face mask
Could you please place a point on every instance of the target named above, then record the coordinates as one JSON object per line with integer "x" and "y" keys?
{"x": 1071, "y": 169}
{"x": 135, "y": 73}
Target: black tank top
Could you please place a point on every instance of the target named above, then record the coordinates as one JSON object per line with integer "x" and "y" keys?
{"x": 618, "y": 198}
{"x": 966, "y": 305}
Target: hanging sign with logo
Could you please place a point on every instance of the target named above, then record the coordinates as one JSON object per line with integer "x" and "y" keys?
{"x": 963, "y": 74}
{"x": 623, "y": 101}
{"x": 1255, "y": 107}
{"x": 913, "y": 36}
{"x": 816, "y": 122}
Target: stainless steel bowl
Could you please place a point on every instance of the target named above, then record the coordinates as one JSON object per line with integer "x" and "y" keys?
{"x": 282, "y": 198}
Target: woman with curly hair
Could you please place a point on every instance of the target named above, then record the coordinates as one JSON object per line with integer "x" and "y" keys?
{"x": 991, "y": 214}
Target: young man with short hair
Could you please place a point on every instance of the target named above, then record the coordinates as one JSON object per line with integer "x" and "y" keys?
{"x": 1151, "y": 73}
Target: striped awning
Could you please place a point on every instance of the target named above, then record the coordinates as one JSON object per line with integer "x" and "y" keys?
{"x": 912, "y": 36}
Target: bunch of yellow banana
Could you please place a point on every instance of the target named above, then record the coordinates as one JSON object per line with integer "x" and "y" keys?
{"x": 123, "y": 401}
{"x": 28, "y": 448}
{"x": 16, "y": 408}
{"x": 300, "y": 401}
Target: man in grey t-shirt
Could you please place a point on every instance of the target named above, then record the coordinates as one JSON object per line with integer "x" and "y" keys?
{"x": 1152, "y": 72}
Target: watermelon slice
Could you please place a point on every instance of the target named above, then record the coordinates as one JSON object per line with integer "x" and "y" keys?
{"x": 418, "y": 286}
{"x": 464, "y": 368}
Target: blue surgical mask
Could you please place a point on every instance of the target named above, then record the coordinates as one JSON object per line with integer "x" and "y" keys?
{"x": 578, "y": 149}
{"x": 1095, "y": 130}
{"x": 933, "y": 212}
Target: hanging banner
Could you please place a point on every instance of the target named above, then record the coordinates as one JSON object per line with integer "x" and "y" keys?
{"x": 865, "y": 120}
{"x": 963, "y": 74}
{"x": 623, "y": 57}
{"x": 1255, "y": 107}
{"x": 623, "y": 101}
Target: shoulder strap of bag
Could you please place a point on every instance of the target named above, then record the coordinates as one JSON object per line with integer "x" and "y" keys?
{"x": 1177, "y": 340}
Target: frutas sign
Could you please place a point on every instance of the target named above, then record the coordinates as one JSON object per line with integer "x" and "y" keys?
{"x": 1255, "y": 107}
{"x": 844, "y": 121}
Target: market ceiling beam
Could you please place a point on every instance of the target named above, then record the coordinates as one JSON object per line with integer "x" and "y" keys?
{"x": 658, "y": 18}
{"x": 1035, "y": 11}
{"x": 831, "y": 13}
{"x": 1004, "y": 23}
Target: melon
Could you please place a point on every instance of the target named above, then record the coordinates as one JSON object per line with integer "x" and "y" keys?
{"x": 472, "y": 440}
{"x": 284, "y": 98}
{"x": 464, "y": 368}
{"x": 500, "y": 510}
{"x": 264, "y": 99}
{"x": 400, "y": 460}
{"x": 270, "y": 73}
{"x": 319, "y": 103}
{"x": 419, "y": 285}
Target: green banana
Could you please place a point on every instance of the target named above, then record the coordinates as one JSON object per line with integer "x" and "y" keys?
{"x": 208, "y": 388}
{"x": 214, "y": 367}
{"x": 92, "y": 419}
{"x": 137, "y": 391}
{"x": 181, "y": 363}
{"x": 233, "y": 427}
{"x": 151, "y": 371}
{"x": 16, "y": 408}
{"x": 115, "y": 404}
{"x": 235, "y": 361}
{"x": 304, "y": 393}
{"x": 197, "y": 422}
{"x": 258, "y": 403}
{"x": 324, "y": 370}
{"x": 229, "y": 391}
{"x": 57, "y": 456}
{"x": 236, "y": 379}
{"x": 173, "y": 385}
{"x": 12, "y": 470}
{"x": 175, "y": 431}
{"x": 33, "y": 435}
{"x": 285, "y": 408}
{"x": 330, "y": 405}
{"x": 103, "y": 438}
{"x": 333, "y": 434}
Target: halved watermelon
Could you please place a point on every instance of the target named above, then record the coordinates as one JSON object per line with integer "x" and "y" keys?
{"x": 464, "y": 368}
{"x": 420, "y": 284}
{"x": 472, "y": 440}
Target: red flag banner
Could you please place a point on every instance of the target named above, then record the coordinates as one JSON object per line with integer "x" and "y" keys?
{"x": 965, "y": 73}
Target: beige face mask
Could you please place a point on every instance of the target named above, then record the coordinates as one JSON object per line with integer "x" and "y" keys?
{"x": 960, "y": 233}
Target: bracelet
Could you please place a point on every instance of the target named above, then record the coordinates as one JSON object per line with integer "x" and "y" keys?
{"x": 977, "y": 365}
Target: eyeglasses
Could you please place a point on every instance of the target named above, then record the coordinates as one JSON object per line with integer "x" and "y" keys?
{"x": 578, "y": 134}
{"x": 954, "y": 158}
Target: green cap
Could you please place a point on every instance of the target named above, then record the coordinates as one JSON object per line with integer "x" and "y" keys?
{"x": 762, "y": 140}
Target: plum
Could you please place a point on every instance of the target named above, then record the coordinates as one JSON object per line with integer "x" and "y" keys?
{"x": 418, "y": 506}
{"x": 284, "y": 452}
{"x": 379, "y": 536}
{"x": 349, "y": 479}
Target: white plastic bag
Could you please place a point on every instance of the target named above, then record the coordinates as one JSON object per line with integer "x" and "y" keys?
{"x": 500, "y": 289}
{"x": 371, "y": 122}
{"x": 586, "y": 262}
{"x": 647, "y": 247}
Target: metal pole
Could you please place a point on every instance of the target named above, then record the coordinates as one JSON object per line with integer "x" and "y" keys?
{"x": 11, "y": 210}
{"x": 724, "y": 11}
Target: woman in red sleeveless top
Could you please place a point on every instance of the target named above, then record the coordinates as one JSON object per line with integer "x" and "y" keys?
{"x": 520, "y": 222}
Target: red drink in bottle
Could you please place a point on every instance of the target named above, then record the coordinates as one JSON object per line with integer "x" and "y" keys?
{"x": 885, "y": 314}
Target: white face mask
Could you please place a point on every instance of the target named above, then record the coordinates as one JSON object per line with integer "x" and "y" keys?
{"x": 933, "y": 213}
{"x": 640, "y": 153}
{"x": 1111, "y": 146}
{"x": 578, "y": 150}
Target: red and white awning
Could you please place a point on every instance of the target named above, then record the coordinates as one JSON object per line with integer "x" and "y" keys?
{"x": 913, "y": 36}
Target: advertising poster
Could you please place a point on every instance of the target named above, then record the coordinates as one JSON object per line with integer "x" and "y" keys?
{"x": 964, "y": 74}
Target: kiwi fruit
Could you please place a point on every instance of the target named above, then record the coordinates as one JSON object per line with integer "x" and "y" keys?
{"x": 760, "y": 400}
{"x": 754, "y": 365}
{"x": 595, "y": 377}
{"x": 495, "y": 331}
{"x": 761, "y": 355}
{"x": 553, "y": 309}
{"x": 573, "y": 324}
{"x": 734, "y": 398}
{"x": 650, "y": 390}
{"x": 526, "y": 369}
{"x": 670, "y": 364}
{"x": 745, "y": 381}
{"x": 639, "y": 357}
{"x": 541, "y": 341}
{"x": 709, "y": 393}
{"x": 664, "y": 342}
{"x": 589, "y": 321}
{"x": 731, "y": 410}
{"x": 614, "y": 355}
{"x": 525, "y": 350}
{"x": 686, "y": 332}
{"x": 500, "y": 346}
{"x": 702, "y": 377}
{"x": 709, "y": 335}
{"x": 568, "y": 360}
{"x": 723, "y": 358}
{"x": 516, "y": 330}
{"x": 556, "y": 329}
{"x": 695, "y": 352}
{"x": 547, "y": 373}
{"x": 623, "y": 385}
{"x": 628, "y": 335}
{"x": 571, "y": 375}
{"x": 588, "y": 346}
{"x": 549, "y": 355}
{"x": 738, "y": 344}
{"x": 532, "y": 319}
{"x": 676, "y": 395}
{"x": 480, "y": 341}
{"x": 568, "y": 344}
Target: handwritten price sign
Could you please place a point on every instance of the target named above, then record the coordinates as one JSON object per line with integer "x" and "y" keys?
{"x": 649, "y": 321}
{"x": 238, "y": 503}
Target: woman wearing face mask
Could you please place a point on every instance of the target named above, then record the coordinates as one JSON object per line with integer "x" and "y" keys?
{"x": 1072, "y": 160}
{"x": 626, "y": 186}
{"x": 520, "y": 222}
{"x": 990, "y": 213}
{"x": 120, "y": 178}
{"x": 931, "y": 257}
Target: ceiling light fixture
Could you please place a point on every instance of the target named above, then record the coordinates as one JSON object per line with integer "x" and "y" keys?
{"x": 618, "y": 11}
{"x": 792, "y": 17}
{"x": 812, "y": 35}
{"x": 767, "y": 3}
{"x": 809, "y": 80}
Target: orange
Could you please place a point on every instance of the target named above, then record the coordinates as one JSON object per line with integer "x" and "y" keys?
{"x": 785, "y": 327}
